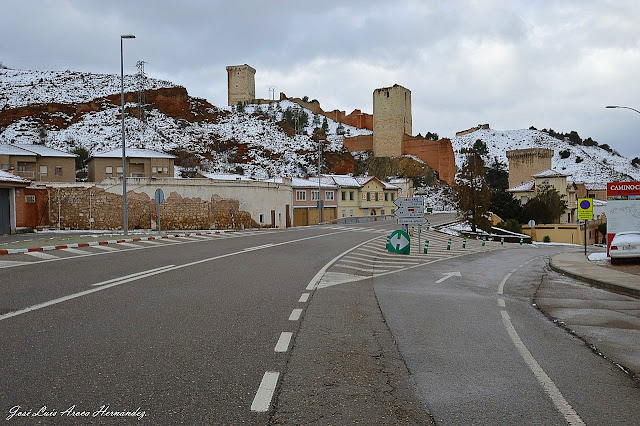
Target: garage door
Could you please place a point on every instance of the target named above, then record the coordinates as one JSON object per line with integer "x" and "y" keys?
{"x": 5, "y": 221}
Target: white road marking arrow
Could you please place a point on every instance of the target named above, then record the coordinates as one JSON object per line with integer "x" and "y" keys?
{"x": 449, "y": 275}
{"x": 399, "y": 239}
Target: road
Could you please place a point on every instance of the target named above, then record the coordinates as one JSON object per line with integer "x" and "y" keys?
{"x": 313, "y": 324}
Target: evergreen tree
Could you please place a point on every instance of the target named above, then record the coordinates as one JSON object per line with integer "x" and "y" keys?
{"x": 480, "y": 148}
{"x": 340, "y": 129}
{"x": 316, "y": 120}
{"x": 497, "y": 176}
{"x": 546, "y": 206}
{"x": 472, "y": 193}
{"x": 506, "y": 206}
{"x": 325, "y": 125}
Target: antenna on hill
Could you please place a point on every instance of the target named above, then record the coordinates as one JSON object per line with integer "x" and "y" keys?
{"x": 141, "y": 82}
{"x": 272, "y": 92}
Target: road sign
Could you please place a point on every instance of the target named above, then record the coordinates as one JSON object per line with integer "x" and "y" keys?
{"x": 159, "y": 196}
{"x": 399, "y": 242}
{"x": 585, "y": 208}
{"x": 411, "y": 220}
{"x": 409, "y": 212}
{"x": 532, "y": 223}
{"x": 413, "y": 202}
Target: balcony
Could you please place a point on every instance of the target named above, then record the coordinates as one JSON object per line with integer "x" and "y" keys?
{"x": 27, "y": 174}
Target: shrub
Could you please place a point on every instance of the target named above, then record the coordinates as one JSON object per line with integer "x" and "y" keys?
{"x": 546, "y": 239}
{"x": 565, "y": 154}
{"x": 579, "y": 160}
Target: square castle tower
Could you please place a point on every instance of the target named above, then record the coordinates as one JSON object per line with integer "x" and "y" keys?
{"x": 241, "y": 84}
{"x": 391, "y": 120}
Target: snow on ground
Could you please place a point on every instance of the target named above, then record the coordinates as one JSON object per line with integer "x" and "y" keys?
{"x": 598, "y": 165}
{"x": 598, "y": 256}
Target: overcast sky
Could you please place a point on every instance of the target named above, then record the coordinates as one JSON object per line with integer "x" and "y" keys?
{"x": 510, "y": 63}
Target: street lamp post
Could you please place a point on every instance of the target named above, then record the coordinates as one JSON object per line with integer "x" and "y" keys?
{"x": 625, "y": 107}
{"x": 125, "y": 222}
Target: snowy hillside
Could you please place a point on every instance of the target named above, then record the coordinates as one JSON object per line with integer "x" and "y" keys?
{"x": 222, "y": 139}
{"x": 597, "y": 165}
{"x": 23, "y": 88}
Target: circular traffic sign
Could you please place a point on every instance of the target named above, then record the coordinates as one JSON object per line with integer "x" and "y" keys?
{"x": 585, "y": 204}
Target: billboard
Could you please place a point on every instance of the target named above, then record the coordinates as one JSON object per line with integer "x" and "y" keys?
{"x": 623, "y": 208}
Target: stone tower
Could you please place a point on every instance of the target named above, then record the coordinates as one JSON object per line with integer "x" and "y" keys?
{"x": 526, "y": 162}
{"x": 241, "y": 84}
{"x": 391, "y": 120}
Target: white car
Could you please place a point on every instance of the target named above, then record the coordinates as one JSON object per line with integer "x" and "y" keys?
{"x": 625, "y": 245}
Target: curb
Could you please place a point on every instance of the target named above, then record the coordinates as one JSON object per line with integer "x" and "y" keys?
{"x": 598, "y": 283}
{"x": 101, "y": 243}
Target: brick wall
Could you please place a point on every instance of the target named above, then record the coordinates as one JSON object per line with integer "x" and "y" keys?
{"x": 437, "y": 154}
{"x": 358, "y": 143}
{"x": 31, "y": 215}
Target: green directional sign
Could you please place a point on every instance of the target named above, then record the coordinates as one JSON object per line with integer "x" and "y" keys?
{"x": 399, "y": 242}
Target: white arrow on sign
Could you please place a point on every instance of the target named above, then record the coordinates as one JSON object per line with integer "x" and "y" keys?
{"x": 449, "y": 275}
{"x": 415, "y": 202}
{"x": 399, "y": 239}
{"x": 409, "y": 212}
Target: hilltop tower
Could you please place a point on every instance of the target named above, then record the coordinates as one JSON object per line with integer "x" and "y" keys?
{"x": 391, "y": 120}
{"x": 241, "y": 84}
{"x": 523, "y": 163}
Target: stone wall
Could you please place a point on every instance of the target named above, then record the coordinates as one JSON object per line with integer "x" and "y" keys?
{"x": 437, "y": 154}
{"x": 526, "y": 162}
{"x": 358, "y": 143}
{"x": 78, "y": 205}
{"x": 473, "y": 129}
{"x": 391, "y": 120}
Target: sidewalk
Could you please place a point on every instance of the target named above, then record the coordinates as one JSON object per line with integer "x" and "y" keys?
{"x": 577, "y": 266}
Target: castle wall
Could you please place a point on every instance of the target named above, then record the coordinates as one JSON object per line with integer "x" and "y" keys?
{"x": 358, "y": 143}
{"x": 437, "y": 154}
{"x": 526, "y": 162}
{"x": 391, "y": 120}
{"x": 241, "y": 84}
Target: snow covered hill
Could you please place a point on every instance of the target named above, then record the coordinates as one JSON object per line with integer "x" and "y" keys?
{"x": 584, "y": 163}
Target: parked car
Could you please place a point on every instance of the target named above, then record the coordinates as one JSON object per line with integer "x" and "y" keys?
{"x": 625, "y": 245}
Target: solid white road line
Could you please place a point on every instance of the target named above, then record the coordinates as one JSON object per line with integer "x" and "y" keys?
{"x": 137, "y": 274}
{"x": 262, "y": 400}
{"x": 304, "y": 298}
{"x": 501, "y": 303}
{"x": 504, "y": 280}
{"x": 550, "y": 388}
{"x": 75, "y": 295}
{"x": 41, "y": 255}
{"x": 295, "y": 314}
{"x": 10, "y": 263}
{"x": 283, "y": 342}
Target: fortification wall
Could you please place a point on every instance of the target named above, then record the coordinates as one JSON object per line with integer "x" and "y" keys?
{"x": 437, "y": 154}
{"x": 526, "y": 162}
{"x": 473, "y": 129}
{"x": 358, "y": 143}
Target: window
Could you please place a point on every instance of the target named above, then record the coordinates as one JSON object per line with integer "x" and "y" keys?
{"x": 392, "y": 196}
{"x": 376, "y": 195}
{"x": 344, "y": 196}
{"x": 6, "y": 167}
{"x": 261, "y": 218}
{"x": 329, "y": 195}
{"x": 591, "y": 196}
{"x": 315, "y": 195}
{"x": 351, "y": 212}
{"x": 382, "y": 211}
{"x": 43, "y": 170}
{"x": 350, "y": 195}
{"x": 368, "y": 196}
{"x": 108, "y": 171}
{"x": 58, "y": 171}
{"x": 119, "y": 171}
{"x": 165, "y": 170}
{"x": 153, "y": 170}
{"x": 344, "y": 213}
{"x": 301, "y": 195}
{"x": 386, "y": 196}
{"x": 30, "y": 199}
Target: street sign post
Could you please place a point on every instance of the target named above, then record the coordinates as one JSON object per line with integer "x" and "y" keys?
{"x": 159, "y": 195}
{"x": 410, "y": 211}
{"x": 585, "y": 212}
{"x": 399, "y": 242}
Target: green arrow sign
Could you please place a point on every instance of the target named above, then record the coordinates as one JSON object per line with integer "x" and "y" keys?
{"x": 399, "y": 242}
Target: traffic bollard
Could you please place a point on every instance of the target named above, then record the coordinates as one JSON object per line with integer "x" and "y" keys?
{"x": 502, "y": 241}
{"x": 464, "y": 242}
{"x": 484, "y": 239}
{"x": 449, "y": 244}
{"x": 426, "y": 246}
{"x": 520, "y": 241}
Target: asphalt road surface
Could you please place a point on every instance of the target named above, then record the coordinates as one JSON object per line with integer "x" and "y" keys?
{"x": 314, "y": 324}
